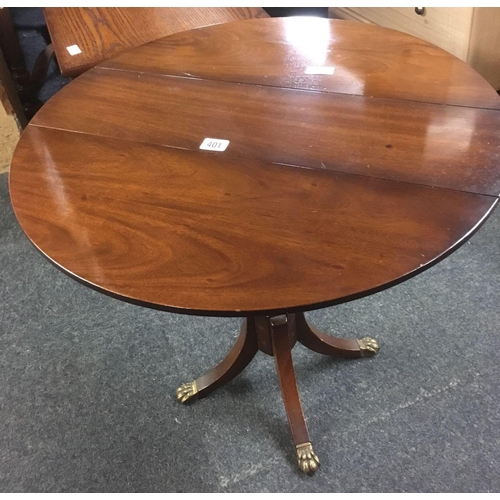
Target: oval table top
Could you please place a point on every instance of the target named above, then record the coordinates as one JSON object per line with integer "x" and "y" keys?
{"x": 358, "y": 156}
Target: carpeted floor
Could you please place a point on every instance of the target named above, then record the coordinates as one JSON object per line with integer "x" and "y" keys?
{"x": 87, "y": 388}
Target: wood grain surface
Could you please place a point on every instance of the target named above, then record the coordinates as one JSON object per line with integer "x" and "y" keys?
{"x": 320, "y": 197}
{"x": 206, "y": 232}
{"x": 104, "y": 32}
{"x": 278, "y": 51}
{"x": 281, "y": 340}
{"x": 442, "y": 146}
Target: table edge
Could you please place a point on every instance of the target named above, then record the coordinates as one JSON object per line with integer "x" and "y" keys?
{"x": 272, "y": 312}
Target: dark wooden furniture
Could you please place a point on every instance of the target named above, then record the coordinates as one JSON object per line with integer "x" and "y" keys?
{"x": 26, "y": 84}
{"x": 101, "y": 33}
{"x": 332, "y": 187}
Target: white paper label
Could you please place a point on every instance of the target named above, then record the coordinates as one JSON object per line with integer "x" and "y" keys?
{"x": 214, "y": 144}
{"x": 320, "y": 70}
{"x": 73, "y": 50}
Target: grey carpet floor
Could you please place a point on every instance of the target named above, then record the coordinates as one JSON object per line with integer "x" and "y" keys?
{"x": 87, "y": 388}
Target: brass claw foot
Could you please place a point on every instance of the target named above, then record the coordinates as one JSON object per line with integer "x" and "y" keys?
{"x": 369, "y": 347}
{"x": 308, "y": 461}
{"x": 186, "y": 392}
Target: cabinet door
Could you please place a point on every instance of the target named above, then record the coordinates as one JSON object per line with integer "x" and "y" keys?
{"x": 484, "y": 50}
{"x": 446, "y": 27}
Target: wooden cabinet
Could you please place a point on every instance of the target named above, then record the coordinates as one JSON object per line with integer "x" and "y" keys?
{"x": 470, "y": 33}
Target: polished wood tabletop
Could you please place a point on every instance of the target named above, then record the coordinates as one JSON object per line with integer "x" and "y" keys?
{"x": 100, "y": 33}
{"x": 358, "y": 156}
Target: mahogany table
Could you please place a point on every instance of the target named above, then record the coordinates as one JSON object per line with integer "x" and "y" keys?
{"x": 341, "y": 159}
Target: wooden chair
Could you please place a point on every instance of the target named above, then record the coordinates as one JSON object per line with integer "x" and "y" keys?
{"x": 26, "y": 83}
{"x": 83, "y": 37}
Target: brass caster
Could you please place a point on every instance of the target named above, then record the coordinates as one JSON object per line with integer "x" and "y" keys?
{"x": 187, "y": 392}
{"x": 308, "y": 461}
{"x": 369, "y": 347}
